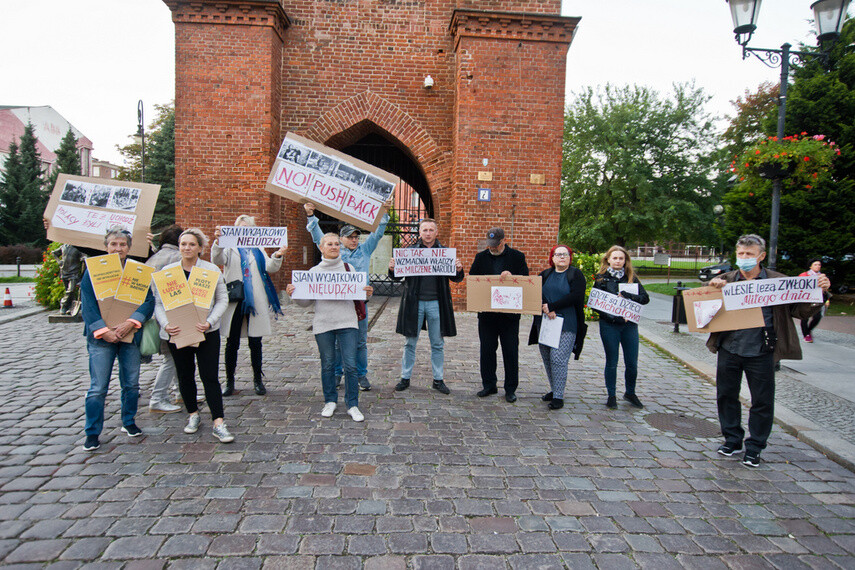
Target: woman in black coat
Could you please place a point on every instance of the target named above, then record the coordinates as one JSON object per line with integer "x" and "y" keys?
{"x": 563, "y": 295}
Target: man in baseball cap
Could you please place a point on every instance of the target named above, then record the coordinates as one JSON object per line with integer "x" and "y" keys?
{"x": 499, "y": 259}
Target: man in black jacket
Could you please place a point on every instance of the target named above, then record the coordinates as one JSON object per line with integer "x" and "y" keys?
{"x": 426, "y": 300}
{"x": 499, "y": 259}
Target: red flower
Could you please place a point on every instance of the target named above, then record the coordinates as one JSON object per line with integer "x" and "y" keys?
{"x": 807, "y": 159}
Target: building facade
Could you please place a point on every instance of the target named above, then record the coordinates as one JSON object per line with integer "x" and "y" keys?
{"x": 463, "y": 100}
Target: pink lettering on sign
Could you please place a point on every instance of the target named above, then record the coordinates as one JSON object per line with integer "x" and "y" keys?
{"x": 294, "y": 179}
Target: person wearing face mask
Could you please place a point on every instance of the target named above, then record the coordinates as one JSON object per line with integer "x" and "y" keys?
{"x": 503, "y": 260}
{"x": 755, "y": 352}
{"x": 616, "y": 276}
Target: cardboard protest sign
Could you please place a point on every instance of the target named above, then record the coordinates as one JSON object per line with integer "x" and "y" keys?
{"x": 81, "y": 209}
{"x": 132, "y": 291}
{"x": 515, "y": 294}
{"x": 178, "y": 302}
{"x": 550, "y": 331}
{"x": 421, "y": 261}
{"x": 105, "y": 271}
{"x": 768, "y": 292}
{"x": 336, "y": 285}
{"x": 339, "y": 185}
{"x": 702, "y": 301}
{"x": 614, "y": 305}
{"x": 203, "y": 284}
{"x": 252, "y": 236}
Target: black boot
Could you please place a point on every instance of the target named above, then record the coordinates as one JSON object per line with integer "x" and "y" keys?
{"x": 259, "y": 385}
{"x": 230, "y": 387}
{"x": 255, "y": 360}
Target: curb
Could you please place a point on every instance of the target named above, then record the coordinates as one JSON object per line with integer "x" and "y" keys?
{"x": 21, "y": 314}
{"x": 829, "y": 444}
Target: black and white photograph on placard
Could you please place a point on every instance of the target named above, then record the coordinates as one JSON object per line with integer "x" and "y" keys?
{"x": 379, "y": 189}
{"x": 350, "y": 175}
{"x": 294, "y": 153}
{"x": 73, "y": 192}
{"x": 125, "y": 199}
{"x": 321, "y": 163}
{"x": 99, "y": 196}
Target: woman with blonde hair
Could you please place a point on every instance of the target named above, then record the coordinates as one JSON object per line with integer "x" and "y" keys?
{"x": 206, "y": 354}
{"x": 249, "y": 317}
{"x": 616, "y": 276}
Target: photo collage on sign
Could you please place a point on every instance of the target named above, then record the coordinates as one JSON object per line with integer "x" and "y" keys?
{"x": 100, "y": 195}
{"x": 354, "y": 177}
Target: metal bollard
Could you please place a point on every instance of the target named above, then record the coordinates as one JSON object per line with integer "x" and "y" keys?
{"x": 678, "y": 311}
{"x": 18, "y": 261}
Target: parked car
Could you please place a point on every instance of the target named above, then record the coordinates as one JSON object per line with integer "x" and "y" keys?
{"x": 711, "y": 271}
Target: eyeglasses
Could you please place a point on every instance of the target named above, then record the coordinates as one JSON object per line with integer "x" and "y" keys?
{"x": 560, "y": 255}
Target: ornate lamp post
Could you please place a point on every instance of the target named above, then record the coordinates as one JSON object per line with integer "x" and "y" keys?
{"x": 828, "y": 17}
{"x": 140, "y": 137}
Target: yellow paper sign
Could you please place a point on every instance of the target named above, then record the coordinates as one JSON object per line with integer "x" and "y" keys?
{"x": 105, "y": 271}
{"x": 203, "y": 283}
{"x": 136, "y": 279}
{"x": 172, "y": 288}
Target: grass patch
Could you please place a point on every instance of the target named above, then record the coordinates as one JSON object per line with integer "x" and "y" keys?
{"x": 16, "y": 279}
{"x": 841, "y": 305}
{"x": 668, "y": 288}
{"x": 675, "y": 264}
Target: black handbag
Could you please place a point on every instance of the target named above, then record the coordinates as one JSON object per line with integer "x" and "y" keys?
{"x": 235, "y": 289}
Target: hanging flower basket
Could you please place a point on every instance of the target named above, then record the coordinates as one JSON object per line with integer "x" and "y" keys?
{"x": 772, "y": 171}
{"x": 798, "y": 160}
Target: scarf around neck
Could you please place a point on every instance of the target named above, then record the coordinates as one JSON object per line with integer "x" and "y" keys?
{"x": 248, "y": 307}
{"x": 616, "y": 273}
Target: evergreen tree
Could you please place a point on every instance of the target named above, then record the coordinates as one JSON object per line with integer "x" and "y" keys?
{"x": 159, "y": 163}
{"x": 67, "y": 160}
{"x": 22, "y": 198}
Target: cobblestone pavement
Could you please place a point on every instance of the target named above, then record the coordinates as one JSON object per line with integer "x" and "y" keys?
{"x": 427, "y": 481}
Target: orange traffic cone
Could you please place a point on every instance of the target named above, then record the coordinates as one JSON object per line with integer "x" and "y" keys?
{"x": 7, "y": 299}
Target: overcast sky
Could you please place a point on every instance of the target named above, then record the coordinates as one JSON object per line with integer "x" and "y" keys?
{"x": 92, "y": 60}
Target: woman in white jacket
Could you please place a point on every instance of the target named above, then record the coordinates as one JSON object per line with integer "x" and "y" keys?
{"x": 335, "y": 320}
{"x": 207, "y": 353}
{"x": 250, "y": 317}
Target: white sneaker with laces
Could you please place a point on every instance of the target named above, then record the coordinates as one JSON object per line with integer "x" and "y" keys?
{"x": 329, "y": 409}
{"x": 222, "y": 433}
{"x": 162, "y": 406}
{"x": 193, "y": 423}
{"x": 355, "y": 414}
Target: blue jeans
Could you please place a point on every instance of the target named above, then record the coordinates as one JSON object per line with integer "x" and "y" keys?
{"x": 427, "y": 310}
{"x": 615, "y": 336}
{"x": 102, "y": 355}
{"x": 361, "y": 352}
{"x": 346, "y": 339}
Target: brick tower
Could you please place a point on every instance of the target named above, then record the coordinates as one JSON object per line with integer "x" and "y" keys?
{"x": 338, "y": 71}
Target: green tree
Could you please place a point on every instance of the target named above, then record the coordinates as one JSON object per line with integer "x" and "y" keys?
{"x": 637, "y": 167}
{"x": 818, "y": 220}
{"x": 754, "y": 111}
{"x": 67, "y": 160}
{"x": 159, "y": 163}
{"x": 22, "y": 198}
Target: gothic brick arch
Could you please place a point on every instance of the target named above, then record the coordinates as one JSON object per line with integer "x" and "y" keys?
{"x": 367, "y": 113}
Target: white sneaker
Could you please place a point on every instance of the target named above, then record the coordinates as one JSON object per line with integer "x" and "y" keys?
{"x": 355, "y": 414}
{"x": 222, "y": 433}
{"x": 162, "y": 406}
{"x": 329, "y": 409}
{"x": 193, "y": 423}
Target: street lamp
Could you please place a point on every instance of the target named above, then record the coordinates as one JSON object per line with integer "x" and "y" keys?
{"x": 140, "y": 137}
{"x": 828, "y": 17}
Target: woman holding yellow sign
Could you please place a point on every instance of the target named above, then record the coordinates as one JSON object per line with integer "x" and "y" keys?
{"x": 206, "y": 353}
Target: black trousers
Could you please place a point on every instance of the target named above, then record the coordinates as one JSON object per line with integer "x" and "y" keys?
{"x": 494, "y": 328}
{"x": 233, "y": 343}
{"x": 809, "y": 324}
{"x": 207, "y": 354}
{"x": 760, "y": 374}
